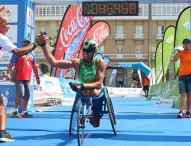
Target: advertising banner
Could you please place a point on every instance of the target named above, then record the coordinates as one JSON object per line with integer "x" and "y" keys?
{"x": 72, "y": 24}
{"x": 68, "y": 92}
{"x": 182, "y": 31}
{"x": 49, "y": 88}
{"x": 99, "y": 31}
{"x": 167, "y": 48}
{"x": 166, "y": 90}
{"x": 158, "y": 63}
{"x": 112, "y": 76}
{"x": 99, "y": 55}
{"x": 21, "y": 16}
{"x": 106, "y": 59}
{"x": 73, "y": 49}
{"x": 131, "y": 66}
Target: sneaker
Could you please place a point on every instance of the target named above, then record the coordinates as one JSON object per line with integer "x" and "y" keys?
{"x": 187, "y": 114}
{"x": 6, "y": 137}
{"x": 26, "y": 115}
{"x": 16, "y": 114}
{"x": 180, "y": 115}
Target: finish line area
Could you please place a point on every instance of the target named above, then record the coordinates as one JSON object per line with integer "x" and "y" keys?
{"x": 139, "y": 122}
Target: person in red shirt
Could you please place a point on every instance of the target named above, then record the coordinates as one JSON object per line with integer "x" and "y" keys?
{"x": 146, "y": 85}
{"x": 22, "y": 79}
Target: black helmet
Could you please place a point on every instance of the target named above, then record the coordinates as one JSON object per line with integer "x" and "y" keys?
{"x": 89, "y": 45}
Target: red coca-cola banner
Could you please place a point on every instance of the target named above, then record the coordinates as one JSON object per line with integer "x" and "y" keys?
{"x": 99, "y": 31}
{"x": 72, "y": 24}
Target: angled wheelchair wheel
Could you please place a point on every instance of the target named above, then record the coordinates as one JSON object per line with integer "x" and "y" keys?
{"x": 111, "y": 106}
{"x": 73, "y": 117}
{"x": 80, "y": 126}
{"x": 111, "y": 113}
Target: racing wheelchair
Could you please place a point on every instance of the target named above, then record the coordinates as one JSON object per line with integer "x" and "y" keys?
{"x": 84, "y": 108}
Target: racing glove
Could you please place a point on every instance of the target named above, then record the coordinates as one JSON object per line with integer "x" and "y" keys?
{"x": 76, "y": 86}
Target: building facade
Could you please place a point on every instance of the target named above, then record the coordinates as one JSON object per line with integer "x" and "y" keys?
{"x": 132, "y": 38}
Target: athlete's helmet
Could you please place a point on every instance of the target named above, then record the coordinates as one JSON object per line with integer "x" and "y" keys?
{"x": 89, "y": 45}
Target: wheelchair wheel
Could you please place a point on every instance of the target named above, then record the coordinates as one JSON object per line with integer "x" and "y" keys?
{"x": 80, "y": 126}
{"x": 112, "y": 109}
{"x": 111, "y": 114}
{"x": 73, "y": 117}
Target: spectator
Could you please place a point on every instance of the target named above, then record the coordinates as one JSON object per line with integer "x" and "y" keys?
{"x": 7, "y": 45}
{"x": 146, "y": 85}
{"x": 184, "y": 80}
{"x": 24, "y": 65}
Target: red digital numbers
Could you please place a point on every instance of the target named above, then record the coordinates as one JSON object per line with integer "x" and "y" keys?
{"x": 133, "y": 9}
{"x": 117, "y": 8}
{"x": 93, "y": 8}
{"x": 125, "y": 8}
{"x": 110, "y": 9}
{"x": 102, "y": 8}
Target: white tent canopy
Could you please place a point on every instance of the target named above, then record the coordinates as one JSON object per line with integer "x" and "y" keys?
{"x": 59, "y": 2}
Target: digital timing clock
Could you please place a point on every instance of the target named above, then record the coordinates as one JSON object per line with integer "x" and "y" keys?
{"x": 121, "y": 8}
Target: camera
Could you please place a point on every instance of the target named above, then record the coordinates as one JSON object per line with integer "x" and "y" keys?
{"x": 43, "y": 33}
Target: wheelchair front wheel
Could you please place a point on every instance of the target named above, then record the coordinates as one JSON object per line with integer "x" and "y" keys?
{"x": 81, "y": 122}
{"x": 112, "y": 109}
{"x": 111, "y": 114}
{"x": 73, "y": 117}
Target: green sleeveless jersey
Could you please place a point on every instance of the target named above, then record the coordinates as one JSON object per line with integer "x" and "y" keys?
{"x": 87, "y": 74}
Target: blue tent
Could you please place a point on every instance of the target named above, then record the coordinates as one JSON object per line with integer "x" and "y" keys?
{"x": 135, "y": 65}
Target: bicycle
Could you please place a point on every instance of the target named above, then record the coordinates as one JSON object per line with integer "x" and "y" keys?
{"x": 83, "y": 111}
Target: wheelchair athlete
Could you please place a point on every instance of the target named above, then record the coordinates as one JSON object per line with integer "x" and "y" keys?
{"x": 90, "y": 71}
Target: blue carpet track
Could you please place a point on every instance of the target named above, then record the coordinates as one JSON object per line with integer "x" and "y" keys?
{"x": 139, "y": 122}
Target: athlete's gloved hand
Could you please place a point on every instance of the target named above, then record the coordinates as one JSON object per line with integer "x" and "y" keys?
{"x": 76, "y": 86}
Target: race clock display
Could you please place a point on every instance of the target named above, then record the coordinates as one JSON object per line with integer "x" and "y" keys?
{"x": 129, "y": 8}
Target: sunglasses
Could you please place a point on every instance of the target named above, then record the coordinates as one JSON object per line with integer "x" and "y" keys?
{"x": 87, "y": 51}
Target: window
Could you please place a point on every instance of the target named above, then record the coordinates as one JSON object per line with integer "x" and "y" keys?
{"x": 119, "y": 49}
{"x": 120, "y": 32}
{"x": 58, "y": 10}
{"x": 138, "y": 49}
{"x": 48, "y": 11}
{"x": 139, "y": 29}
{"x": 139, "y": 32}
{"x": 160, "y": 31}
{"x": 158, "y": 10}
{"x": 120, "y": 29}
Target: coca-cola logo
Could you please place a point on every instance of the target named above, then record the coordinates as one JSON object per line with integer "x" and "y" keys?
{"x": 68, "y": 32}
{"x": 101, "y": 33}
